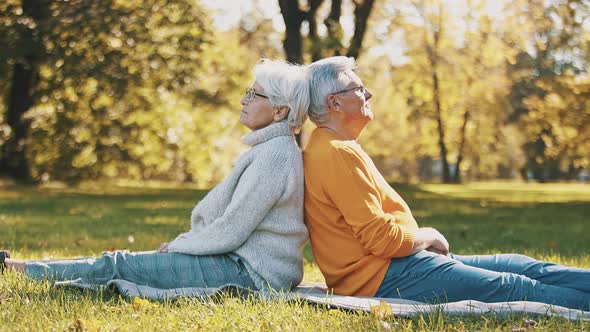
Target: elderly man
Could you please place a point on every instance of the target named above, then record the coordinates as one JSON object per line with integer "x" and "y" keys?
{"x": 363, "y": 235}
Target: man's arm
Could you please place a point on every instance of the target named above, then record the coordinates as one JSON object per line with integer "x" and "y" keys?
{"x": 351, "y": 187}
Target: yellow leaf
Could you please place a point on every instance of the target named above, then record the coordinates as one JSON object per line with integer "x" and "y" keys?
{"x": 382, "y": 310}
{"x": 139, "y": 303}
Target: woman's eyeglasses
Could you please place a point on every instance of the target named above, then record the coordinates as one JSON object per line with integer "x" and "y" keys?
{"x": 251, "y": 93}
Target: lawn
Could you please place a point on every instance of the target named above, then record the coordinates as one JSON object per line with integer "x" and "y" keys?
{"x": 546, "y": 221}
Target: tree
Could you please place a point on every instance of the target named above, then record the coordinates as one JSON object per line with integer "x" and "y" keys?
{"x": 78, "y": 59}
{"x": 482, "y": 63}
{"x": 330, "y": 44}
{"x": 549, "y": 94}
{"x": 452, "y": 76}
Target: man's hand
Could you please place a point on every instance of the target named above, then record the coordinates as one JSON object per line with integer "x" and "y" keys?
{"x": 427, "y": 238}
{"x": 436, "y": 251}
{"x": 163, "y": 247}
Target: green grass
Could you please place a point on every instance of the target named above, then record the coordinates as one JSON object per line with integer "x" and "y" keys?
{"x": 545, "y": 221}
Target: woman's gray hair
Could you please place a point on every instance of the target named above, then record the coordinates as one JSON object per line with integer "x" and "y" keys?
{"x": 327, "y": 76}
{"x": 285, "y": 84}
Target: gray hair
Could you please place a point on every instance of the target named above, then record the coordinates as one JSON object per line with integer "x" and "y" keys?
{"x": 285, "y": 84}
{"x": 327, "y": 76}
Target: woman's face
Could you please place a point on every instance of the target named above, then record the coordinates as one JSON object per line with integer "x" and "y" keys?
{"x": 257, "y": 111}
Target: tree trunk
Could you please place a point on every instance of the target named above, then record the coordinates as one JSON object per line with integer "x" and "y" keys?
{"x": 457, "y": 175}
{"x": 362, "y": 11}
{"x": 332, "y": 23}
{"x": 13, "y": 161}
{"x": 293, "y": 17}
{"x": 446, "y": 174}
{"x": 433, "y": 59}
{"x": 316, "y": 49}
{"x": 332, "y": 44}
{"x": 13, "y": 156}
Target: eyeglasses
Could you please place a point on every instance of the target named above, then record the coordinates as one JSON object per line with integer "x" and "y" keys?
{"x": 359, "y": 88}
{"x": 251, "y": 93}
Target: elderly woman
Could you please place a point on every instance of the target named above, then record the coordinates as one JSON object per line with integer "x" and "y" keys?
{"x": 248, "y": 230}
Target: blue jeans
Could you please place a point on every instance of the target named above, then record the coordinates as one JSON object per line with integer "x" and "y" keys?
{"x": 149, "y": 268}
{"x": 433, "y": 278}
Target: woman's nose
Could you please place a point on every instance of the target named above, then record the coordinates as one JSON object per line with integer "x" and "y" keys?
{"x": 244, "y": 101}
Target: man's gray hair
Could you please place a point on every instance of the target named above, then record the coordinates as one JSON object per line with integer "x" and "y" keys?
{"x": 327, "y": 76}
{"x": 285, "y": 84}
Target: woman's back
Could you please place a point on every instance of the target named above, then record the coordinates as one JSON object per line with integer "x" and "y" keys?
{"x": 256, "y": 213}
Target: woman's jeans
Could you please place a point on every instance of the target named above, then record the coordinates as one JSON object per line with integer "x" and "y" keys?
{"x": 434, "y": 278}
{"x": 150, "y": 268}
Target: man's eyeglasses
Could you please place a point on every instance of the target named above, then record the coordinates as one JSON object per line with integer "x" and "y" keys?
{"x": 251, "y": 93}
{"x": 359, "y": 88}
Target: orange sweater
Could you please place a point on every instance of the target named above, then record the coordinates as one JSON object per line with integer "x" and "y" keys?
{"x": 356, "y": 221}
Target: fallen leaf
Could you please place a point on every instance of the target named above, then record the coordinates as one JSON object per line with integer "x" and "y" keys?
{"x": 529, "y": 324}
{"x": 76, "y": 326}
{"x": 139, "y": 303}
{"x": 386, "y": 326}
{"x": 382, "y": 310}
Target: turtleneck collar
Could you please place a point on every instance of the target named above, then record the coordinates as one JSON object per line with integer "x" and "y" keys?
{"x": 264, "y": 134}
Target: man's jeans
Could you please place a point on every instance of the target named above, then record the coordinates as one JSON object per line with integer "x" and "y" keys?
{"x": 434, "y": 278}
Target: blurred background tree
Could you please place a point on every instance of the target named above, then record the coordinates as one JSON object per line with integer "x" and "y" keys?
{"x": 549, "y": 93}
{"x": 481, "y": 97}
{"x": 464, "y": 89}
{"x": 114, "y": 88}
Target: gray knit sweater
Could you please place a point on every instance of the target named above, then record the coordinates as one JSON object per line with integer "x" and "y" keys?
{"x": 256, "y": 213}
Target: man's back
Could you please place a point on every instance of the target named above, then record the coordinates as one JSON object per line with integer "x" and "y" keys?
{"x": 357, "y": 222}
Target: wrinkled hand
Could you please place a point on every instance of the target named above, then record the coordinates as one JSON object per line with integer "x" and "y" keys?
{"x": 436, "y": 251}
{"x": 163, "y": 247}
{"x": 427, "y": 238}
{"x": 439, "y": 245}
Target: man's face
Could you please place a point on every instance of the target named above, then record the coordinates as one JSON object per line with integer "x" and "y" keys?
{"x": 354, "y": 100}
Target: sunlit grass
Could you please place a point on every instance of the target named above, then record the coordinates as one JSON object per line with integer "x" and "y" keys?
{"x": 545, "y": 221}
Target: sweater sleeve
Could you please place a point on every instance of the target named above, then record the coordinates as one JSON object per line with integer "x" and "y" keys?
{"x": 355, "y": 193}
{"x": 260, "y": 186}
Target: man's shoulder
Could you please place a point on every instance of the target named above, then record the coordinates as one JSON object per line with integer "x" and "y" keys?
{"x": 330, "y": 154}
{"x": 331, "y": 147}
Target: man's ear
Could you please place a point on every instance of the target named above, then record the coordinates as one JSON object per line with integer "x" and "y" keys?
{"x": 280, "y": 113}
{"x": 334, "y": 103}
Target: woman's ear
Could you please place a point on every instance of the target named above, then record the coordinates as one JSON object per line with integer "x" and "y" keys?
{"x": 280, "y": 113}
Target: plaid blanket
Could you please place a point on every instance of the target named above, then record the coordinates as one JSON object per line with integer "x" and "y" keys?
{"x": 317, "y": 293}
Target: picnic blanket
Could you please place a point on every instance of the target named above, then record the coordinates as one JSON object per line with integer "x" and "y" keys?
{"x": 317, "y": 293}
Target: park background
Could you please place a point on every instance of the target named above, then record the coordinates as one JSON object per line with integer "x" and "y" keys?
{"x": 465, "y": 90}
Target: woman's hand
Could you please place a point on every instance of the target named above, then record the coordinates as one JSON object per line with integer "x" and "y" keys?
{"x": 163, "y": 247}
